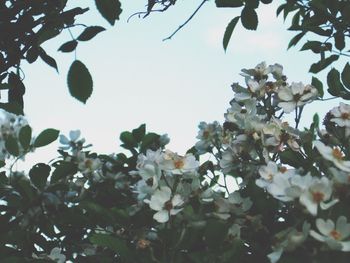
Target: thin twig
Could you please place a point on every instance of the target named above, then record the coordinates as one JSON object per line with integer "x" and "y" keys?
{"x": 186, "y": 22}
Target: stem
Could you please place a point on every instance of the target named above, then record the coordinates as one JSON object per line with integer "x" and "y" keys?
{"x": 186, "y": 22}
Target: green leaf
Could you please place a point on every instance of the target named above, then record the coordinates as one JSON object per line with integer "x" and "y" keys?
{"x": 335, "y": 87}
{"x": 109, "y": 9}
{"x": 12, "y": 146}
{"x": 46, "y": 137}
{"x": 292, "y": 158}
{"x": 295, "y": 39}
{"x": 318, "y": 85}
{"x": 2, "y": 163}
{"x": 128, "y": 139}
{"x": 228, "y": 3}
{"x": 68, "y": 46}
{"x": 249, "y": 18}
{"x": 316, "y": 46}
{"x": 25, "y": 136}
{"x": 139, "y": 133}
{"x": 90, "y": 32}
{"x": 149, "y": 139}
{"x": 63, "y": 170}
{"x": 228, "y": 32}
{"x": 39, "y": 174}
{"x": 12, "y": 107}
{"x": 117, "y": 245}
{"x": 322, "y": 64}
{"x": 345, "y": 76}
{"x": 79, "y": 81}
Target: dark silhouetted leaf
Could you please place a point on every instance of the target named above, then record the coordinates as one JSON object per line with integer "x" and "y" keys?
{"x": 228, "y": 3}
{"x": 46, "y": 137}
{"x": 47, "y": 59}
{"x": 345, "y": 76}
{"x": 249, "y": 18}
{"x": 228, "y": 32}
{"x": 79, "y": 81}
{"x": 295, "y": 40}
{"x": 63, "y": 170}
{"x": 322, "y": 64}
{"x": 39, "y": 174}
{"x": 68, "y": 46}
{"x": 109, "y": 9}
{"x": 339, "y": 39}
{"x": 318, "y": 85}
{"x": 90, "y": 32}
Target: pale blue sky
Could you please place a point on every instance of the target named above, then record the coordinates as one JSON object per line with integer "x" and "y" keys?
{"x": 171, "y": 86}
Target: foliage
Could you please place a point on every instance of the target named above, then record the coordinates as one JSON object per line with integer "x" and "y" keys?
{"x": 26, "y": 26}
{"x": 289, "y": 200}
{"x": 253, "y": 189}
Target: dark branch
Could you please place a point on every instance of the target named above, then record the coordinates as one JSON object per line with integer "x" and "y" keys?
{"x": 186, "y": 22}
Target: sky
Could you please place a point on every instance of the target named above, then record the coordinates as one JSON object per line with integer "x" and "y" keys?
{"x": 169, "y": 85}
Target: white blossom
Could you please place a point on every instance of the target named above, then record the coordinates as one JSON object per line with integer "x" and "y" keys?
{"x": 334, "y": 155}
{"x": 333, "y": 234}
{"x": 165, "y": 204}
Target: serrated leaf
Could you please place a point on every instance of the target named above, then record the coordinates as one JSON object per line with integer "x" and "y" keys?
{"x": 318, "y": 85}
{"x": 79, "y": 81}
{"x": 295, "y": 39}
{"x": 228, "y": 3}
{"x": 322, "y": 64}
{"x": 46, "y": 137}
{"x": 12, "y": 146}
{"x": 25, "y": 136}
{"x": 249, "y": 18}
{"x": 335, "y": 87}
{"x": 90, "y": 32}
{"x": 228, "y": 32}
{"x": 345, "y": 76}
{"x": 109, "y": 9}
{"x": 39, "y": 174}
{"x": 68, "y": 46}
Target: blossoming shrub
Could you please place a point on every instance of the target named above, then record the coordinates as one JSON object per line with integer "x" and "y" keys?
{"x": 253, "y": 189}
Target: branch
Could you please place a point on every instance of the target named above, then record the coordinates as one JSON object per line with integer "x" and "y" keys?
{"x": 186, "y": 22}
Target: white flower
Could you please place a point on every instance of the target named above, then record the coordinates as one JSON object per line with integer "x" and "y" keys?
{"x": 315, "y": 191}
{"x": 70, "y": 142}
{"x": 296, "y": 95}
{"x": 176, "y": 164}
{"x": 165, "y": 204}
{"x": 57, "y": 256}
{"x": 267, "y": 173}
{"x": 333, "y": 234}
{"x": 207, "y": 134}
{"x": 86, "y": 164}
{"x": 334, "y": 155}
{"x": 260, "y": 71}
{"x": 341, "y": 116}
